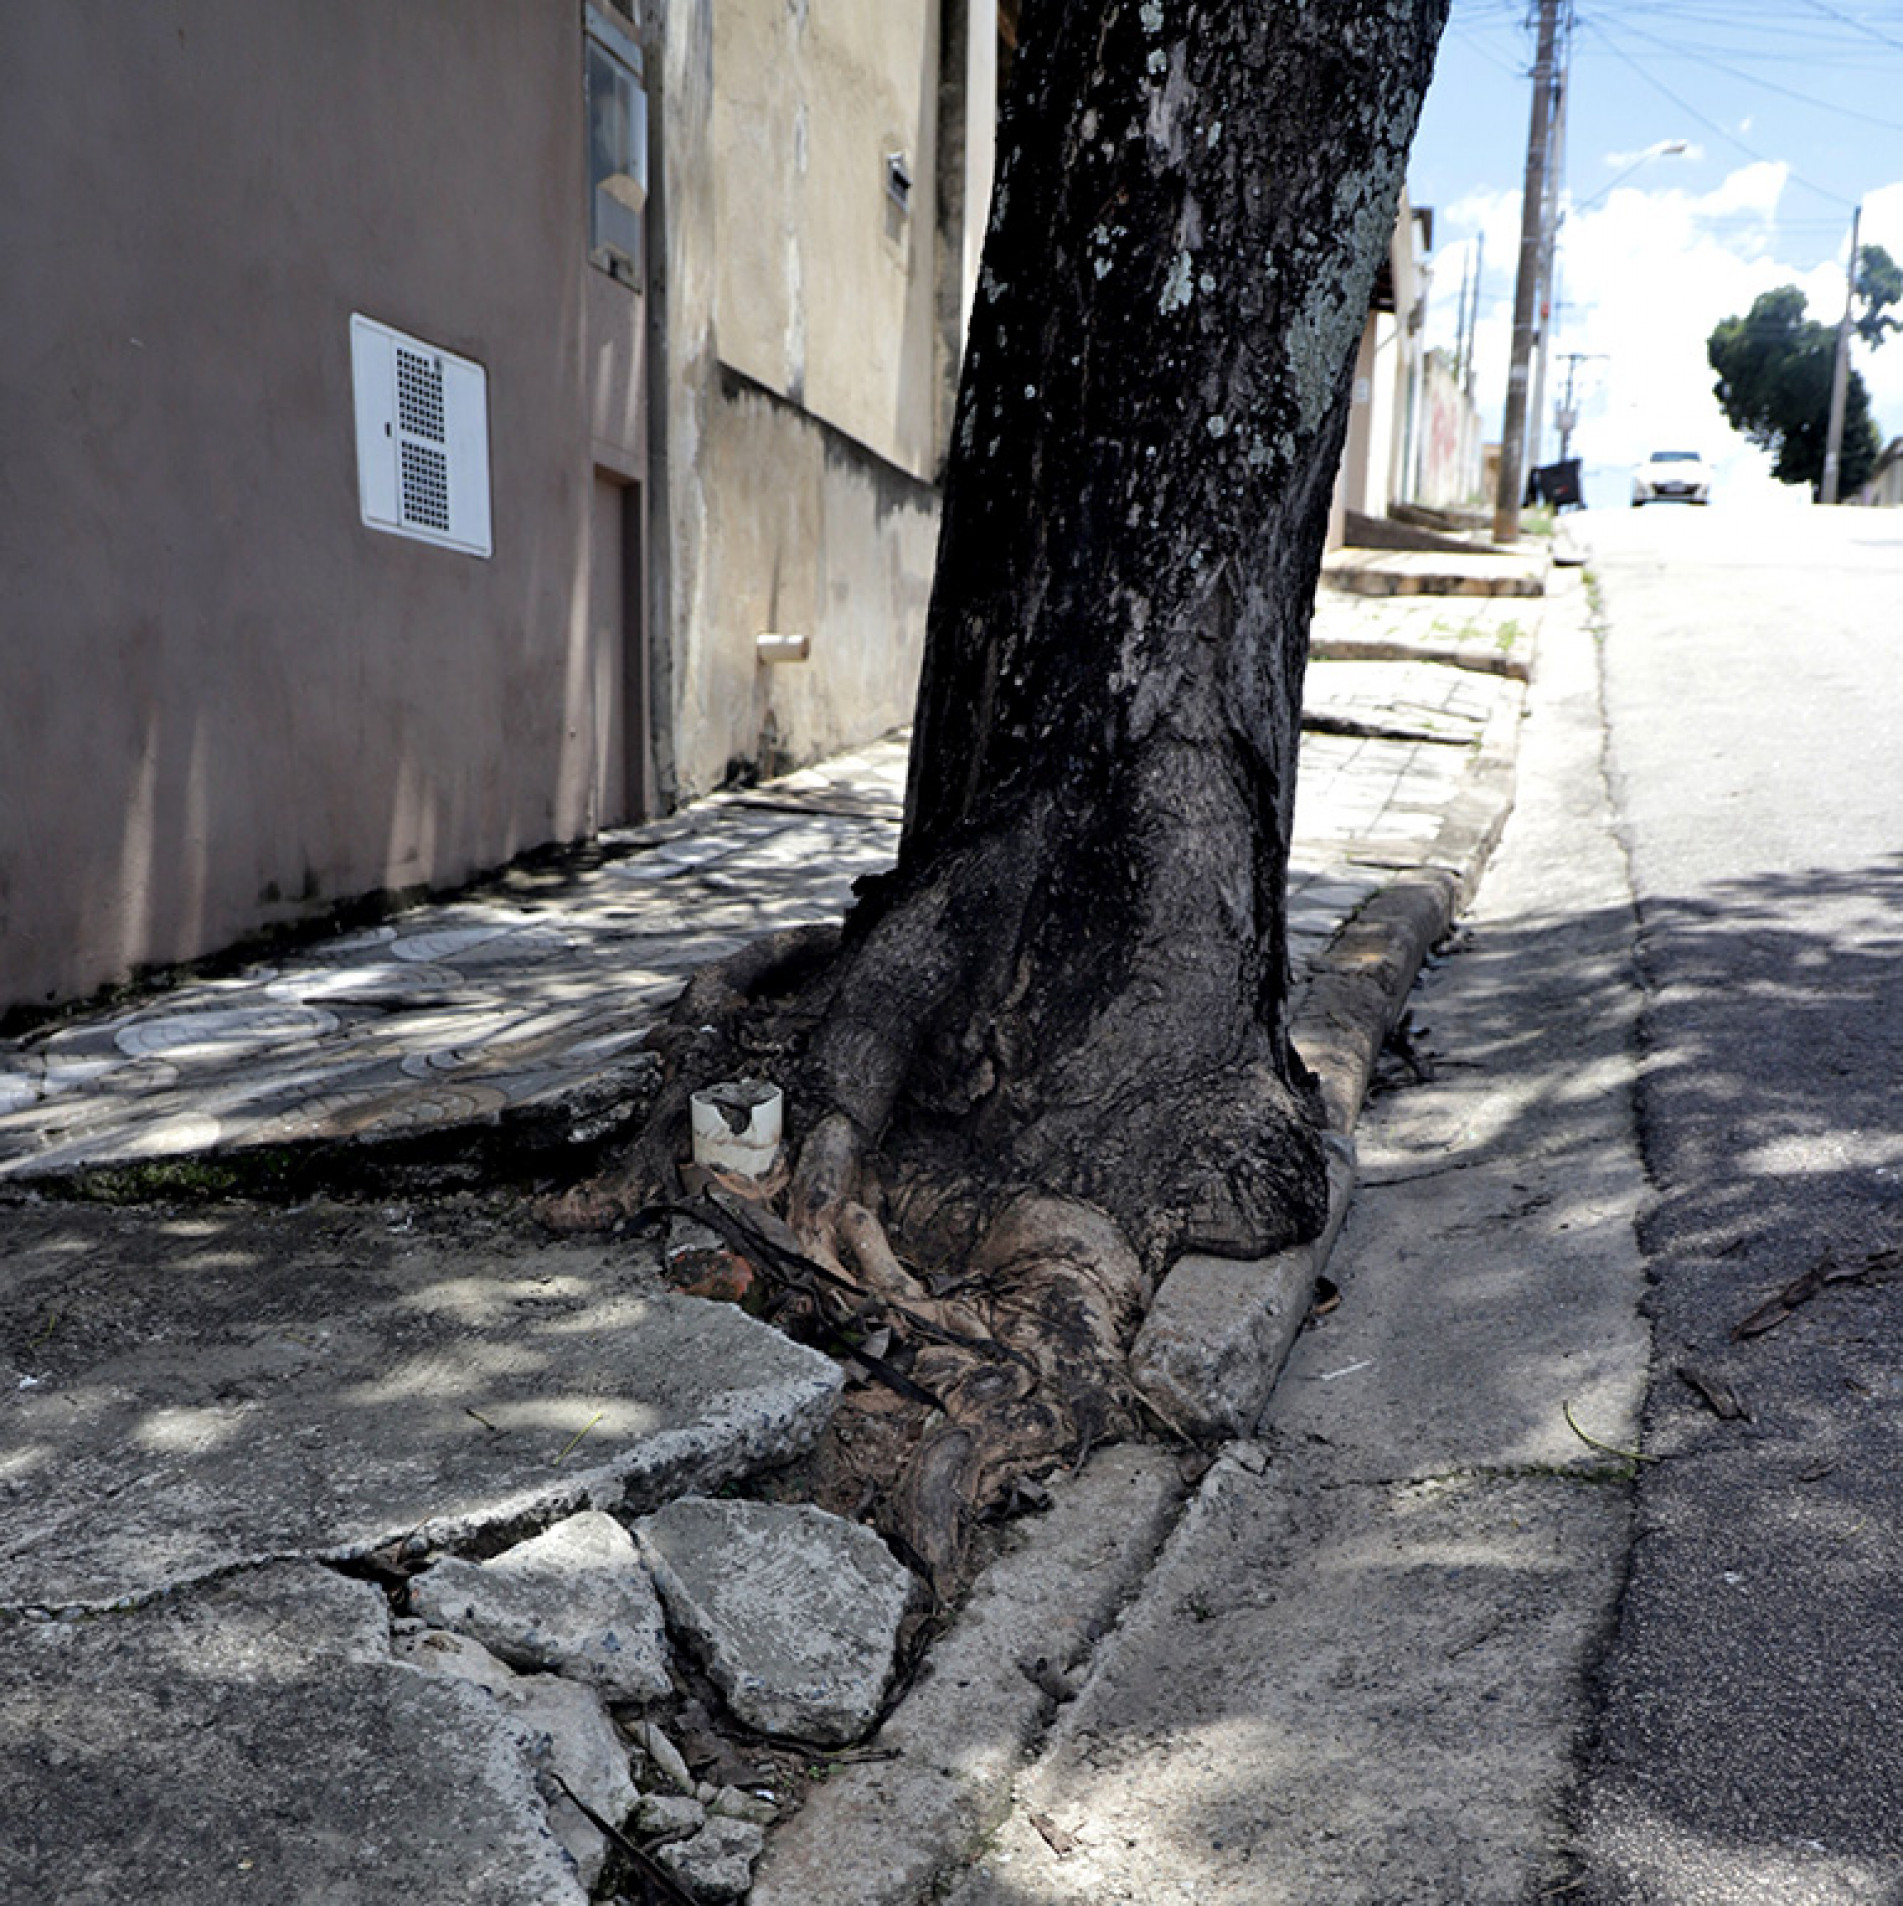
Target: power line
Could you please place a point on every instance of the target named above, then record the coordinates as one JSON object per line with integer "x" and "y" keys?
{"x": 1839, "y": 111}
{"x": 1710, "y": 125}
{"x": 1862, "y": 26}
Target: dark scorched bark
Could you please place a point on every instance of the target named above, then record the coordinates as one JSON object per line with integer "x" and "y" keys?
{"x": 1050, "y": 1051}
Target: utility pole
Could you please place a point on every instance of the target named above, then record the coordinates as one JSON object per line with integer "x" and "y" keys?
{"x": 1460, "y": 315}
{"x": 1506, "y": 501}
{"x": 1471, "y": 320}
{"x": 1840, "y": 376}
{"x": 1549, "y": 244}
{"x": 1568, "y": 415}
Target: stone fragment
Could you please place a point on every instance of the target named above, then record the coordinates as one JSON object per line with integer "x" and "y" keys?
{"x": 569, "y": 1733}
{"x": 667, "y": 1760}
{"x": 667, "y": 1816}
{"x": 795, "y": 1613}
{"x": 574, "y": 1600}
{"x": 716, "y": 1865}
{"x": 735, "y": 1803}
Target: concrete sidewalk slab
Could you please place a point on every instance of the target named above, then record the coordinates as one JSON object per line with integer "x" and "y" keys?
{"x": 197, "y": 1393}
{"x": 518, "y": 1008}
{"x": 253, "y": 1740}
{"x": 1494, "y": 634}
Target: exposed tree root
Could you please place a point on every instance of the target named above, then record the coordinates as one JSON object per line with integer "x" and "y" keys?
{"x": 703, "y": 1039}
{"x": 1018, "y": 1371}
{"x": 1010, "y": 1118}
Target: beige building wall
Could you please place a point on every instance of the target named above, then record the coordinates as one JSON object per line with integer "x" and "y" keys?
{"x": 811, "y": 358}
{"x": 1375, "y": 453}
{"x": 228, "y": 706}
{"x": 1885, "y": 488}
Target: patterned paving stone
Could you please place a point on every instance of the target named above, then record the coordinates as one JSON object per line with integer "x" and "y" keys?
{"x": 459, "y": 1014}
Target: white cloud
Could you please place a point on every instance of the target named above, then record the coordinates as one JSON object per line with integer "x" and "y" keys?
{"x": 1754, "y": 188}
{"x": 1645, "y": 275}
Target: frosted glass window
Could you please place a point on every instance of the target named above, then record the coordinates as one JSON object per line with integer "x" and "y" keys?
{"x": 617, "y": 148}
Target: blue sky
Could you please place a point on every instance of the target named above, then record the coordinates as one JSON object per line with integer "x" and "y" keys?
{"x": 1790, "y": 113}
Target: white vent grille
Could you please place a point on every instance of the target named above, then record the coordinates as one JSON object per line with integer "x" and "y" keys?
{"x": 422, "y": 439}
{"x": 419, "y": 394}
{"x": 425, "y": 492}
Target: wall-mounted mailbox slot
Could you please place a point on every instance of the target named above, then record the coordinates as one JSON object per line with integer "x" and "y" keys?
{"x": 898, "y": 180}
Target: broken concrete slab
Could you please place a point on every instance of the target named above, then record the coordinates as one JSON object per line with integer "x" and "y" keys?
{"x": 575, "y": 1600}
{"x": 1410, "y": 572}
{"x": 879, "y": 1832}
{"x": 242, "y": 1386}
{"x": 794, "y": 1613}
{"x": 254, "y": 1740}
{"x": 569, "y": 1734}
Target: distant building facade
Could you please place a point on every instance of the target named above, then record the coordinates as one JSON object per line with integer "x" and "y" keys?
{"x": 415, "y": 416}
{"x": 1884, "y": 490}
{"x": 1413, "y": 429}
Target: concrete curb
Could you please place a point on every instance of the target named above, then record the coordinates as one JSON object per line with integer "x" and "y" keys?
{"x": 885, "y": 1836}
{"x": 1217, "y": 1335}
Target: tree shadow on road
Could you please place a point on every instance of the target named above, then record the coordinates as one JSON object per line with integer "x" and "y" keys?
{"x": 1751, "y": 1694}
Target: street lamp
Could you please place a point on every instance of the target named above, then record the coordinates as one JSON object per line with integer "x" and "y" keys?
{"x": 1665, "y": 148}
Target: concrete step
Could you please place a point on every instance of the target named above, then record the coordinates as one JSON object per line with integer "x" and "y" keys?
{"x": 1416, "y": 572}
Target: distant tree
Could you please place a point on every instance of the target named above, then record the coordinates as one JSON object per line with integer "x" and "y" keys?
{"x": 1879, "y": 283}
{"x": 1774, "y": 370}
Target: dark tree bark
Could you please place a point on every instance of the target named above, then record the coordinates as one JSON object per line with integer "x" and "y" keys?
{"x": 1076, "y": 980}
{"x": 1050, "y": 1051}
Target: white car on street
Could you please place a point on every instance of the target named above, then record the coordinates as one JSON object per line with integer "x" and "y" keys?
{"x": 1676, "y": 476}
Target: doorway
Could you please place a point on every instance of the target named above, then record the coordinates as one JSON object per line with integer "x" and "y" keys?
{"x": 624, "y": 756}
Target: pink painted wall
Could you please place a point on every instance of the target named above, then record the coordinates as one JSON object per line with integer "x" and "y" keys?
{"x": 224, "y": 703}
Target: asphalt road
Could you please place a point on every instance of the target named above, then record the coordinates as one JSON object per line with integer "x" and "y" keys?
{"x": 1749, "y": 1744}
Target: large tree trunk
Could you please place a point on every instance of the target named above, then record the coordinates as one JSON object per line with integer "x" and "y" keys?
{"x": 1051, "y": 1050}
{"x": 1076, "y": 980}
